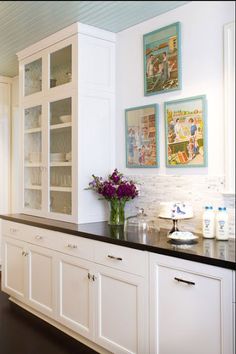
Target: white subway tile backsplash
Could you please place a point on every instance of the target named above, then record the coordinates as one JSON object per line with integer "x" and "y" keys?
{"x": 198, "y": 190}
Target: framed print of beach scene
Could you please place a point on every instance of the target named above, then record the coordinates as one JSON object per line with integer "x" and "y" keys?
{"x": 141, "y": 125}
{"x": 185, "y": 127}
{"x": 162, "y": 60}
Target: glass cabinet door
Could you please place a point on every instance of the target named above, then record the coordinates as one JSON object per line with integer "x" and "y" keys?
{"x": 60, "y": 157}
{"x": 61, "y": 66}
{"x": 33, "y": 158}
{"x": 33, "y": 77}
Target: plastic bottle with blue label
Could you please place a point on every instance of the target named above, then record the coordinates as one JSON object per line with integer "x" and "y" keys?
{"x": 208, "y": 222}
{"x": 222, "y": 228}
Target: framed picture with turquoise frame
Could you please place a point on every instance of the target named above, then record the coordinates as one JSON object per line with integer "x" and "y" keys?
{"x": 162, "y": 60}
{"x": 186, "y": 132}
{"x": 142, "y": 136}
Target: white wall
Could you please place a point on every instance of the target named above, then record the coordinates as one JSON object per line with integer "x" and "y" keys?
{"x": 5, "y": 109}
{"x": 5, "y": 94}
{"x": 202, "y": 73}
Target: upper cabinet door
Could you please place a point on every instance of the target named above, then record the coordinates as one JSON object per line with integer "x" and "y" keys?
{"x": 61, "y": 66}
{"x": 33, "y": 157}
{"x": 49, "y": 71}
{"x": 33, "y": 77}
{"x": 32, "y": 73}
{"x": 60, "y": 156}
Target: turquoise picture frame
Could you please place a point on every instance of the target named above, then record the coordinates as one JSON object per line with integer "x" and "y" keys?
{"x": 142, "y": 136}
{"x": 162, "y": 60}
{"x": 186, "y": 142}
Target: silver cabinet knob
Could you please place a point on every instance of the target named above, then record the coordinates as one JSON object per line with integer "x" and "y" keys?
{"x": 13, "y": 230}
{"x": 38, "y": 237}
{"x": 71, "y": 246}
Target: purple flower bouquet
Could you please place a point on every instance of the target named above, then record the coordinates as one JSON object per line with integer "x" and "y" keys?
{"x": 117, "y": 190}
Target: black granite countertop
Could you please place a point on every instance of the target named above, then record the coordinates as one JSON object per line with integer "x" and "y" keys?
{"x": 209, "y": 251}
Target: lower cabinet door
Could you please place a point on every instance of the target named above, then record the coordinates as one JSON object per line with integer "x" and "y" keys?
{"x": 120, "y": 311}
{"x": 75, "y": 305}
{"x": 191, "y": 308}
{"x": 41, "y": 279}
{"x": 14, "y": 280}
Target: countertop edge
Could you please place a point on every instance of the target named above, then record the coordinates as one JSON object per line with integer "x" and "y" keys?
{"x": 154, "y": 249}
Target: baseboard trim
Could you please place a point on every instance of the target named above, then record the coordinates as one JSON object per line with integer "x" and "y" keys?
{"x": 62, "y": 328}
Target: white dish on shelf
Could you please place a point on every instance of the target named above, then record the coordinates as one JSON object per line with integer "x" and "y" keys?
{"x": 65, "y": 118}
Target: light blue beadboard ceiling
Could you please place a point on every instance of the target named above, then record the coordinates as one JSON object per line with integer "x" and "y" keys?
{"x": 23, "y": 23}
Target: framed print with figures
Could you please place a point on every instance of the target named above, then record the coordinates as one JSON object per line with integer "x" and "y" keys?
{"x": 142, "y": 139}
{"x": 162, "y": 60}
{"x": 186, "y": 137}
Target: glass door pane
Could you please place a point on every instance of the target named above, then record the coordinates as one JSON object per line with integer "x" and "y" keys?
{"x": 33, "y": 158}
{"x": 33, "y": 77}
{"x": 61, "y": 66}
{"x": 61, "y": 156}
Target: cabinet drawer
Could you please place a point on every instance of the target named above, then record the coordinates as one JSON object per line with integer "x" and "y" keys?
{"x": 123, "y": 258}
{"x": 74, "y": 246}
{"x": 16, "y": 230}
{"x": 58, "y": 241}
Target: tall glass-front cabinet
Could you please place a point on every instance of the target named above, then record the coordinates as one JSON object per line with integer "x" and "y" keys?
{"x": 67, "y": 109}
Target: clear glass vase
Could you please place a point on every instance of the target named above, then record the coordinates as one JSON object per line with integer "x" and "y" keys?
{"x": 117, "y": 212}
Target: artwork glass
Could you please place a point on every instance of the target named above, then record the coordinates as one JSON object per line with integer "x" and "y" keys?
{"x": 185, "y": 122}
{"x": 162, "y": 60}
{"x": 141, "y": 137}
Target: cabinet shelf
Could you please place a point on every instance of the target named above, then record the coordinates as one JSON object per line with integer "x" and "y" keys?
{"x": 61, "y": 164}
{"x": 60, "y": 126}
{"x": 33, "y": 187}
{"x": 60, "y": 189}
{"x": 33, "y": 164}
{"x": 33, "y": 130}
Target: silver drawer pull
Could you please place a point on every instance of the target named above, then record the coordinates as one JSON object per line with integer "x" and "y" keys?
{"x": 113, "y": 257}
{"x": 184, "y": 281}
{"x": 38, "y": 237}
{"x": 12, "y": 230}
{"x": 69, "y": 245}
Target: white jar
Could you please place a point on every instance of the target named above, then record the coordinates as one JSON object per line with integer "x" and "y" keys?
{"x": 222, "y": 228}
{"x": 208, "y": 223}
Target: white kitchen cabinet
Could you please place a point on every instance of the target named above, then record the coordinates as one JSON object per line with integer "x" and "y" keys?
{"x": 67, "y": 108}
{"x": 95, "y": 289}
{"x": 96, "y": 300}
{"x": 75, "y": 295}
{"x": 192, "y": 307}
{"x": 106, "y": 294}
{"x": 234, "y": 311}
{"x": 41, "y": 279}
{"x": 13, "y": 268}
{"x": 29, "y": 274}
{"x": 121, "y": 311}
